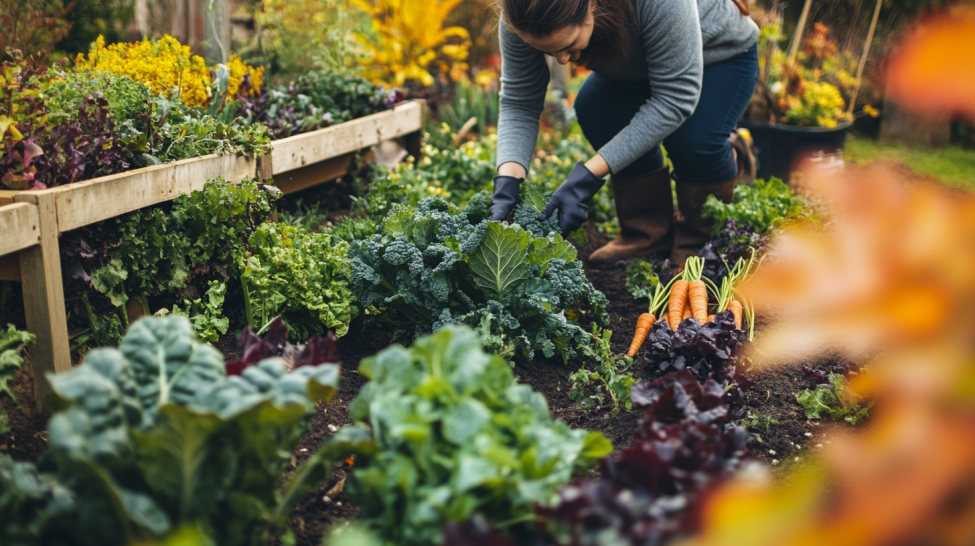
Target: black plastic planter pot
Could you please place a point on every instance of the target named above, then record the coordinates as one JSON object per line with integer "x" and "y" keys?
{"x": 780, "y": 148}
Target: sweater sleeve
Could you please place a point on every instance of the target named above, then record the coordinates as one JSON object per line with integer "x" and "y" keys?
{"x": 671, "y": 34}
{"x": 524, "y": 82}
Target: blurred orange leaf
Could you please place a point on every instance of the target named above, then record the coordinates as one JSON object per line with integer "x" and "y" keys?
{"x": 935, "y": 69}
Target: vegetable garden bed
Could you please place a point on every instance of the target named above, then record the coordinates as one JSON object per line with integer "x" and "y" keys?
{"x": 37, "y": 218}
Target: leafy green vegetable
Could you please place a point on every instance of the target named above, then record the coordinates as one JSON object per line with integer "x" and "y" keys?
{"x": 206, "y": 314}
{"x": 443, "y": 431}
{"x": 611, "y": 378}
{"x": 762, "y": 204}
{"x": 301, "y": 276}
{"x": 152, "y": 436}
{"x": 835, "y": 401}
{"x": 431, "y": 266}
{"x": 11, "y": 342}
{"x": 642, "y": 278}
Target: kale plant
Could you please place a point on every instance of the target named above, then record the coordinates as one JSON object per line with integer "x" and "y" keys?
{"x": 443, "y": 431}
{"x": 153, "y": 437}
{"x": 431, "y": 266}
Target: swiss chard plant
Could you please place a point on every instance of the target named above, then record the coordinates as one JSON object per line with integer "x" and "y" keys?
{"x": 443, "y": 431}
{"x": 684, "y": 443}
{"x": 153, "y": 436}
{"x": 431, "y": 266}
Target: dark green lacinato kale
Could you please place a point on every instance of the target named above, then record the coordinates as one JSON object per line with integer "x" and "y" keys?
{"x": 443, "y": 431}
{"x": 430, "y": 267}
{"x": 154, "y": 436}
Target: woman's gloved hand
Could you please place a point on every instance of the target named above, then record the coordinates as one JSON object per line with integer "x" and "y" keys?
{"x": 505, "y": 197}
{"x": 572, "y": 199}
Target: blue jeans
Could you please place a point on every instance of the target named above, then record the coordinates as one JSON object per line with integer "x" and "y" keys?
{"x": 699, "y": 148}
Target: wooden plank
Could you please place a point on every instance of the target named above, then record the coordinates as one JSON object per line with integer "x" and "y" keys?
{"x": 84, "y": 203}
{"x": 7, "y": 196}
{"x": 10, "y": 267}
{"x": 19, "y": 227}
{"x": 312, "y": 175}
{"x": 301, "y": 150}
{"x": 44, "y": 296}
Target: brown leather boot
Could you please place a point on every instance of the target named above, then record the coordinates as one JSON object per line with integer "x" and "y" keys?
{"x": 645, "y": 210}
{"x": 692, "y": 230}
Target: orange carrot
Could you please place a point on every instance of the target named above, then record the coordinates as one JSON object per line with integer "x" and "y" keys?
{"x": 697, "y": 293}
{"x": 736, "y": 309}
{"x": 643, "y": 324}
{"x": 710, "y": 318}
{"x": 687, "y": 311}
{"x": 675, "y": 305}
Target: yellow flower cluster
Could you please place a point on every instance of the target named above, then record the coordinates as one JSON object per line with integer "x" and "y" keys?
{"x": 820, "y": 104}
{"x": 238, "y": 70}
{"x": 411, "y": 42}
{"x": 163, "y": 65}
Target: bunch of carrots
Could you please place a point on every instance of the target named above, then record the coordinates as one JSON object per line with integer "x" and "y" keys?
{"x": 686, "y": 296}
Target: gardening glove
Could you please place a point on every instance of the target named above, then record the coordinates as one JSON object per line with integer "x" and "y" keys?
{"x": 505, "y": 197}
{"x": 572, "y": 198}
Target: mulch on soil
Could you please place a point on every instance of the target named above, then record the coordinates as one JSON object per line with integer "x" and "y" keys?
{"x": 328, "y": 505}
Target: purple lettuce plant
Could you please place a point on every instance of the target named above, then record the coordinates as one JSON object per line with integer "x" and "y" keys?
{"x": 684, "y": 444}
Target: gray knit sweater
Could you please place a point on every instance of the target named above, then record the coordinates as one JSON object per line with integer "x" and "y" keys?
{"x": 669, "y": 46}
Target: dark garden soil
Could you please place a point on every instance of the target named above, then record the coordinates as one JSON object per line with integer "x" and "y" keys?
{"x": 328, "y": 505}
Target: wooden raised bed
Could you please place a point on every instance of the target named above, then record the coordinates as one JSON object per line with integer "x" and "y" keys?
{"x": 32, "y": 221}
{"x": 305, "y": 160}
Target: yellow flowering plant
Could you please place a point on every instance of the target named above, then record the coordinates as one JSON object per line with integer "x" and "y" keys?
{"x": 409, "y": 41}
{"x": 165, "y": 66}
{"x": 809, "y": 91}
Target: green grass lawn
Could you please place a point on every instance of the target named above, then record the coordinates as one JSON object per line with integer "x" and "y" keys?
{"x": 954, "y": 165}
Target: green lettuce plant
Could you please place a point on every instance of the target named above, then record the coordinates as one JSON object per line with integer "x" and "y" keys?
{"x": 444, "y": 431}
{"x": 764, "y": 204}
{"x": 153, "y": 437}
{"x": 300, "y": 275}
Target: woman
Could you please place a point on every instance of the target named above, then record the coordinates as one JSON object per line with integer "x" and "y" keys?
{"x": 677, "y": 72}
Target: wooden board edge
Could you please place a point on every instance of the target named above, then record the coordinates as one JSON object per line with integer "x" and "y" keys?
{"x": 76, "y": 203}
{"x": 403, "y": 119}
{"x": 20, "y": 226}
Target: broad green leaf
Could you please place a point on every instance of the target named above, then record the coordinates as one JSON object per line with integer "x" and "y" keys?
{"x": 110, "y": 280}
{"x": 534, "y": 197}
{"x": 465, "y": 421}
{"x": 546, "y": 250}
{"x": 501, "y": 262}
{"x": 168, "y": 364}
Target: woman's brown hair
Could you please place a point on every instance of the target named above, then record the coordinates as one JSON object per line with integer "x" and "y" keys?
{"x": 541, "y": 18}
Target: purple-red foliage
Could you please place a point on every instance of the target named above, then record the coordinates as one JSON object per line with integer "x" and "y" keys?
{"x": 253, "y": 349}
{"x": 684, "y": 444}
{"x": 710, "y": 350}
{"x": 81, "y": 148}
